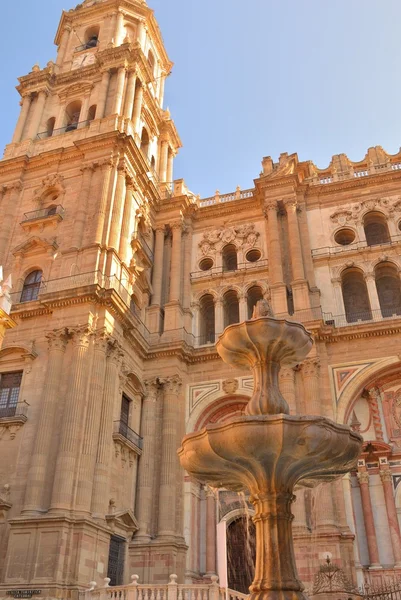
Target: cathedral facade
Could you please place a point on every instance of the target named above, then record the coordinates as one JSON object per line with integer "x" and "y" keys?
{"x": 122, "y": 281}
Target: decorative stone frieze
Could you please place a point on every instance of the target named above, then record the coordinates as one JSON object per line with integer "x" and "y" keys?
{"x": 242, "y": 236}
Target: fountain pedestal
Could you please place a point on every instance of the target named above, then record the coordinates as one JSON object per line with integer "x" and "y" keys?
{"x": 268, "y": 451}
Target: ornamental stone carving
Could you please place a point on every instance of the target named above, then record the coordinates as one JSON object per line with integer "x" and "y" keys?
{"x": 363, "y": 477}
{"x": 353, "y": 213}
{"x": 51, "y": 185}
{"x": 172, "y": 385}
{"x": 230, "y": 386}
{"x": 242, "y": 236}
{"x": 386, "y": 475}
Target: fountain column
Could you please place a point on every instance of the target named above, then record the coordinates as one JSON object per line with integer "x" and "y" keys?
{"x": 169, "y": 460}
{"x": 387, "y": 481}
{"x": 273, "y": 523}
{"x": 363, "y": 478}
{"x": 210, "y": 533}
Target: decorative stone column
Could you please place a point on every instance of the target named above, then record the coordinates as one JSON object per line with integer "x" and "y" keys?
{"x": 210, "y": 533}
{"x": 277, "y": 286}
{"x": 83, "y": 117}
{"x": 310, "y": 375}
{"x": 100, "y": 493}
{"x": 11, "y": 205}
{"x": 299, "y": 284}
{"x": 169, "y": 459}
{"x": 218, "y": 315}
{"x": 338, "y": 296}
{"x": 71, "y": 428}
{"x": 175, "y": 284}
{"x": 147, "y": 461}
{"x": 170, "y": 166}
{"x": 65, "y": 38}
{"x": 42, "y": 461}
{"x": 325, "y": 508}
{"x": 108, "y": 173}
{"x": 287, "y": 387}
{"x": 119, "y": 92}
{"x": 186, "y": 299}
{"x": 37, "y": 114}
{"x": 372, "y": 293}
{"x": 125, "y": 247}
{"x": 116, "y": 217}
{"x": 130, "y": 95}
{"x": 363, "y": 478}
{"x": 392, "y": 517}
{"x": 82, "y": 207}
{"x": 164, "y": 148}
{"x": 92, "y": 424}
{"x": 25, "y": 106}
{"x": 157, "y": 278}
{"x": 103, "y": 93}
{"x": 136, "y": 115}
{"x": 243, "y": 307}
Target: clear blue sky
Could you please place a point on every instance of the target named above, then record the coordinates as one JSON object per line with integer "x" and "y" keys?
{"x": 251, "y": 78}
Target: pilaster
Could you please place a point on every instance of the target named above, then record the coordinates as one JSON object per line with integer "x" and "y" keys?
{"x": 363, "y": 478}
{"x": 392, "y": 517}
{"x": 277, "y": 286}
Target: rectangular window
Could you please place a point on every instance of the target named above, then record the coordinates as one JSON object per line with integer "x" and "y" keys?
{"x": 10, "y": 384}
{"x": 115, "y": 569}
{"x": 125, "y": 408}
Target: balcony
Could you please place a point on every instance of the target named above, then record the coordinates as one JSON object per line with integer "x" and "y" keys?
{"x": 140, "y": 244}
{"x": 221, "y": 198}
{"x": 127, "y": 436}
{"x": 37, "y": 218}
{"x": 66, "y": 129}
{"x": 357, "y": 247}
{"x": 219, "y": 271}
{"x": 362, "y": 318}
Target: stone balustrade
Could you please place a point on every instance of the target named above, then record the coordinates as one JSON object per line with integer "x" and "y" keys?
{"x": 170, "y": 591}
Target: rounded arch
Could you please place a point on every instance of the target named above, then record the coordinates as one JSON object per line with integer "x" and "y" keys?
{"x": 207, "y": 319}
{"x": 231, "y": 307}
{"x": 72, "y": 115}
{"x": 31, "y": 286}
{"x": 145, "y": 141}
{"x": 355, "y": 295}
{"x": 376, "y": 229}
{"x": 151, "y": 61}
{"x": 201, "y": 293}
{"x": 229, "y": 257}
{"x": 254, "y": 294}
{"x": 135, "y": 383}
{"x": 91, "y": 36}
{"x": 388, "y": 287}
{"x": 216, "y": 398}
{"x": 362, "y": 380}
{"x": 235, "y": 514}
{"x": 222, "y": 410}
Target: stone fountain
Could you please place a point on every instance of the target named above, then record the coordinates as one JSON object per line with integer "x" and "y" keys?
{"x": 267, "y": 451}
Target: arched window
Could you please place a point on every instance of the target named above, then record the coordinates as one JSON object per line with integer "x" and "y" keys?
{"x": 388, "y": 289}
{"x": 50, "y": 126}
{"x": 91, "y": 37}
{"x": 230, "y": 262}
{"x": 153, "y": 162}
{"x": 151, "y": 61}
{"x": 145, "y": 142}
{"x": 31, "y": 288}
{"x": 355, "y": 295}
{"x": 72, "y": 115}
{"x": 254, "y": 295}
{"x": 231, "y": 308}
{"x": 207, "y": 319}
{"x": 376, "y": 230}
{"x": 92, "y": 112}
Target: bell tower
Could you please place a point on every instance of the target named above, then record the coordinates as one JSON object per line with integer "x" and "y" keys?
{"x": 82, "y": 187}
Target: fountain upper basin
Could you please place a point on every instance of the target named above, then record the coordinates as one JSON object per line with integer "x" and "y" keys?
{"x": 269, "y": 453}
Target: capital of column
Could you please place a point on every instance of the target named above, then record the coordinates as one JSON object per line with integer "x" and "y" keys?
{"x": 291, "y": 204}
{"x": 269, "y": 206}
{"x": 363, "y": 477}
{"x": 386, "y": 475}
{"x": 58, "y": 339}
{"x": 101, "y": 340}
{"x": 160, "y": 228}
{"x": 81, "y": 336}
{"x": 286, "y": 373}
{"x": 172, "y": 385}
{"x": 336, "y": 281}
{"x": 369, "y": 276}
{"x": 152, "y": 387}
{"x": 114, "y": 351}
{"x": 177, "y": 225}
{"x": 311, "y": 366}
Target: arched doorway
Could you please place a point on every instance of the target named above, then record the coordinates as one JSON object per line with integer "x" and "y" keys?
{"x": 241, "y": 553}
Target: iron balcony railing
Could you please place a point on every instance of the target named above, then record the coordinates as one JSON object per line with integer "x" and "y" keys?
{"x": 66, "y": 129}
{"x": 332, "y": 250}
{"x": 146, "y": 247}
{"x": 43, "y": 213}
{"x": 19, "y": 410}
{"x": 353, "y": 318}
{"x": 88, "y": 46}
{"x": 246, "y": 266}
{"x": 128, "y": 433}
